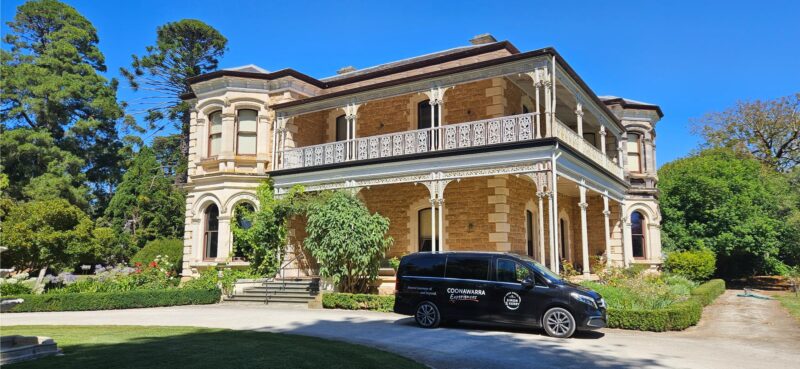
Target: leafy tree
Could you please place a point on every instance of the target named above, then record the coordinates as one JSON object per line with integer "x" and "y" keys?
{"x": 47, "y": 233}
{"x": 51, "y": 82}
{"x": 146, "y": 204}
{"x": 263, "y": 242}
{"x": 770, "y": 130}
{"x": 731, "y": 204}
{"x": 346, "y": 240}
{"x": 183, "y": 49}
{"x": 168, "y": 153}
{"x": 37, "y": 168}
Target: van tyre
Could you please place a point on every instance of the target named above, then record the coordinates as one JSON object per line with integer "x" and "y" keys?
{"x": 558, "y": 322}
{"x": 427, "y": 315}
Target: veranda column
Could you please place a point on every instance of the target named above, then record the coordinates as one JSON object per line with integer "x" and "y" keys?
{"x": 603, "y": 140}
{"x": 554, "y": 215}
{"x": 627, "y": 240}
{"x": 606, "y": 214}
{"x": 579, "y": 117}
{"x": 584, "y": 232}
{"x": 537, "y": 84}
{"x": 434, "y": 236}
{"x": 620, "y": 150}
{"x": 548, "y": 114}
{"x": 541, "y": 195}
{"x": 551, "y": 223}
{"x": 440, "y": 212}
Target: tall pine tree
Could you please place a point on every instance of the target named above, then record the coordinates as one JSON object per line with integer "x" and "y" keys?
{"x": 183, "y": 49}
{"x": 51, "y": 82}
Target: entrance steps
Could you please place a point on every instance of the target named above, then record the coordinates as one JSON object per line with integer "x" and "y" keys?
{"x": 290, "y": 291}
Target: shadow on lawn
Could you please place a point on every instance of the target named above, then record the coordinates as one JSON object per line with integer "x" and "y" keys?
{"x": 207, "y": 348}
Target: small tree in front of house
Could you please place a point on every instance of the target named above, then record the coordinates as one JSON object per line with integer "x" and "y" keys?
{"x": 346, "y": 240}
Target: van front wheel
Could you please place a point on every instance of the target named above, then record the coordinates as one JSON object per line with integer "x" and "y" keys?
{"x": 558, "y": 322}
{"x": 427, "y": 315}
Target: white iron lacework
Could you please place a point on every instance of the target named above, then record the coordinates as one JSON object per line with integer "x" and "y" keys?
{"x": 397, "y": 145}
{"x": 479, "y": 134}
{"x": 450, "y": 137}
{"x": 338, "y": 156}
{"x": 494, "y": 132}
{"x": 525, "y": 132}
{"x": 509, "y": 134}
{"x": 362, "y": 149}
{"x": 409, "y": 143}
{"x": 318, "y": 155}
{"x": 463, "y": 136}
{"x": 386, "y": 146}
{"x": 328, "y": 154}
{"x": 373, "y": 147}
{"x": 422, "y": 141}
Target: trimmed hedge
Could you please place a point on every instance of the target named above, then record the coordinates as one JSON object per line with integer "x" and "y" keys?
{"x": 355, "y": 301}
{"x": 115, "y": 300}
{"x": 673, "y": 318}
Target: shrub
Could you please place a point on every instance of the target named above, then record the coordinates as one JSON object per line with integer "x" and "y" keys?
{"x": 697, "y": 265}
{"x": 355, "y": 301}
{"x": 346, "y": 240}
{"x": 210, "y": 278}
{"x": 676, "y": 316}
{"x": 707, "y": 292}
{"x": 9, "y": 289}
{"x": 158, "y": 274}
{"x": 170, "y": 247}
{"x": 115, "y": 300}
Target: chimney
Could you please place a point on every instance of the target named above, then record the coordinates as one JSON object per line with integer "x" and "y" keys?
{"x": 481, "y": 39}
{"x": 346, "y": 69}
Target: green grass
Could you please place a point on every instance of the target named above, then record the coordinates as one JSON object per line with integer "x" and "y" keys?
{"x": 187, "y": 347}
{"x": 792, "y": 303}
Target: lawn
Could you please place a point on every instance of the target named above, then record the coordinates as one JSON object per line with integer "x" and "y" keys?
{"x": 176, "y": 347}
{"x": 792, "y": 303}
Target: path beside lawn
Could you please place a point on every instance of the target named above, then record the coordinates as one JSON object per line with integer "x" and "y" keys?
{"x": 732, "y": 334}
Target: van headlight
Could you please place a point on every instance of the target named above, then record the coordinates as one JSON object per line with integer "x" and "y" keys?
{"x": 584, "y": 299}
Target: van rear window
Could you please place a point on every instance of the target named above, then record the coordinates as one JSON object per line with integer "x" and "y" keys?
{"x": 467, "y": 267}
{"x": 427, "y": 266}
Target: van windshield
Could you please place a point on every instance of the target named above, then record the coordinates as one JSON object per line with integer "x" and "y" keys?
{"x": 541, "y": 268}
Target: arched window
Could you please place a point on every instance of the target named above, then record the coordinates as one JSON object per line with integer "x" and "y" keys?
{"x": 243, "y": 213}
{"x": 214, "y": 133}
{"x": 247, "y": 125}
{"x": 211, "y": 232}
{"x": 637, "y": 233}
{"x": 341, "y": 128}
{"x": 425, "y": 230}
{"x": 634, "y": 152}
{"x": 424, "y": 115}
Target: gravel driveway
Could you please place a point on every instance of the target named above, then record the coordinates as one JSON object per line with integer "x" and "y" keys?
{"x": 735, "y": 333}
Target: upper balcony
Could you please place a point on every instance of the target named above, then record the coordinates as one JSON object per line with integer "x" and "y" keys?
{"x": 480, "y": 133}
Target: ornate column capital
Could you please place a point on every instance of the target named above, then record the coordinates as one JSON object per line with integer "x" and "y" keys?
{"x": 583, "y": 205}
{"x": 603, "y": 131}
{"x": 606, "y": 213}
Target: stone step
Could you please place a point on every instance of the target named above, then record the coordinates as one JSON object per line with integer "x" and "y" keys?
{"x": 288, "y": 288}
{"x": 246, "y": 298}
{"x": 299, "y": 300}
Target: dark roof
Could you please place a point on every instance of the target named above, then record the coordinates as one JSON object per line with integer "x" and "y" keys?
{"x": 363, "y": 74}
{"x": 631, "y": 104}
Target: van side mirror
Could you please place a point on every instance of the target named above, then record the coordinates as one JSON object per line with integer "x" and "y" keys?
{"x": 527, "y": 282}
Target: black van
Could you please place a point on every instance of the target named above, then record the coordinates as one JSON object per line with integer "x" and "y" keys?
{"x": 495, "y": 287}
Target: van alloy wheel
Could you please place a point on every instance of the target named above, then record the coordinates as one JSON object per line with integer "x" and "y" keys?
{"x": 427, "y": 315}
{"x": 558, "y": 322}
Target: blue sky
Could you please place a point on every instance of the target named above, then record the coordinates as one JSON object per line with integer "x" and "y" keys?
{"x": 689, "y": 57}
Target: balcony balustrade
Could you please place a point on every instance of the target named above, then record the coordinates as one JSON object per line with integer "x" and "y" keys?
{"x": 487, "y": 132}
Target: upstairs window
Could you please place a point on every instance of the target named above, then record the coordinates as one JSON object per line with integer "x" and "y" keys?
{"x": 341, "y": 128}
{"x": 246, "y": 133}
{"x": 634, "y": 152}
{"x": 214, "y": 133}
{"x": 424, "y": 115}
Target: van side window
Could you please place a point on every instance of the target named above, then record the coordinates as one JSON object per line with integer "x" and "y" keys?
{"x": 511, "y": 271}
{"x": 426, "y": 266}
{"x": 467, "y": 267}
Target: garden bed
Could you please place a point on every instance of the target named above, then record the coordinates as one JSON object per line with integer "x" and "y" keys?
{"x": 648, "y": 311}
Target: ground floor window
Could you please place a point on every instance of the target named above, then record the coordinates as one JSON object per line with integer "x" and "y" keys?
{"x": 529, "y": 231}
{"x": 637, "y": 233}
{"x": 244, "y": 220}
{"x": 562, "y": 238}
{"x": 211, "y": 232}
{"x": 425, "y": 230}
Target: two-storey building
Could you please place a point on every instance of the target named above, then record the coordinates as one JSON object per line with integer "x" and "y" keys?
{"x": 480, "y": 147}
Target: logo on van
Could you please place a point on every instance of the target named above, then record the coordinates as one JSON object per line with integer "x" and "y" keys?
{"x": 512, "y": 301}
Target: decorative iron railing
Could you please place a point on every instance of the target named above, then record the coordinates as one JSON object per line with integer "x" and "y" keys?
{"x": 485, "y": 132}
